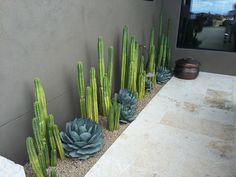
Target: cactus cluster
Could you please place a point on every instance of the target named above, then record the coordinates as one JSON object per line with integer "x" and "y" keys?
{"x": 128, "y": 103}
{"x": 88, "y": 96}
{"x": 82, "y": 138}
{"x": 163, "y": 73}
{"x": 42, "y": 151}
{"x": 113, "y": 119}
{"x": 105, "y": 78}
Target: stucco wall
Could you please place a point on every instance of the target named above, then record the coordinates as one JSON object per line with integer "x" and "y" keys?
{"x": 45, "y": 39}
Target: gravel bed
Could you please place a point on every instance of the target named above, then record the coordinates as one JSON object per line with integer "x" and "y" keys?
{"x": 78, "y": 168}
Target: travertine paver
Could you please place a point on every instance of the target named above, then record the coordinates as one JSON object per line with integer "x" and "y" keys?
{"x": 187, "y": 130}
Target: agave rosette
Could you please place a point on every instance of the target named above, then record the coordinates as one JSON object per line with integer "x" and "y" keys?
{"x": 82, "y": 139}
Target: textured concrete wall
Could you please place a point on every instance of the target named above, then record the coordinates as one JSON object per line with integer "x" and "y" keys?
{"x": 212, "y": 61}
{"x": 45, "y": 38}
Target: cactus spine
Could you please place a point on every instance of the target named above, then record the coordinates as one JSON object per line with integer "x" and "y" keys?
{"x": 141, "y": 80}
{"x": 93, "y": 85}
{"x": 89, "y": 103}
{"x": 33, "y": 158}
{"x": 101, "y": 70}
{"x": 110, "y": 69}
{"x": 124, "y": 57}
{"x": 81, "y": 88}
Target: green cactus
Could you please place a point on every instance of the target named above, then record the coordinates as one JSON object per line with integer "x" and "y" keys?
{"x": 135, "y": 69}
{"x": 114, "y": 116}
{"x": 151, "y": 64}
{"x": 106, "y": 97}
{"x": 89, "y": 106}
{"x": 93, "y": 85}
{"x": 110, "y": 69}
{"x": 164, "y": 51}
{"x": 160, "y": 30}
{"x": 161, "y": 50}
{"x": 152, "y": 38}
{"x": 33, "y": 158}
{"x": 53, "y": 173}
{"x": 168, "y": 55}
{"x": 124, "y": 57}
{"x": 141, "y": 80}
{"x": 58, "y": 141}
{"x": 81, "y": 88}
{"x": 101, "y": 70}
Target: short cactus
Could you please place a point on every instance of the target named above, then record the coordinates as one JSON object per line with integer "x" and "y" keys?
{"x": 114, "y": 116}
{"x": 82, "y": 138}
{"x": 141, "y": 79}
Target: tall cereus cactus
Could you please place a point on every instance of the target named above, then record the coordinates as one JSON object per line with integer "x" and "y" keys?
{"x": 141, "y": 79}
{"x": 110, "y": 69}
{"x": 161, "y": 50}
{"x": 113, "y": 121}
{"x": 124, "y": 56}
{"x": 89, "y": 102}
{"x": 33, "y": 158}
{"x": 81, "y": 88}
{"x": 160, "y": 30}
{"x": 43, "y": 130}
{"x": 93, "y": 85}
{"x": 168, "y": 52}
{"x": 106, "y": 98}
{"x": 164, "y": 51}
{"x": 151, "y": 64}
{"x": 101, "y": 70}
{"x": 132, "y": 73}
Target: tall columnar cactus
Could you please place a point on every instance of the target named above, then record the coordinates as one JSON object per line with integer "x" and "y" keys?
{"x": 160, "y": 30}
{"x": 161, "y": 49}
{"x": 101, "y": 70}
{"x": 81, "y": 89}
{"x": 164, "y": 51}
{"x": 89, "y": 103}
{"x": 132, "y": 74}
{"x": 110, "y": 69}
{"x": 152, "y": 38}
{"x": 106, "y": 97}
{"x": 33, "y": 158}
{"x": 93, "y": 85}
{"x": 141, "y": 79}
{"x": 113, "y": 120}
{"x": 168, "y": 54}
{"x": 151, "y": 64}
{"x": 56, "y": 135}
{"x": 45, "y": 137}
{"x": 124, "y": 57}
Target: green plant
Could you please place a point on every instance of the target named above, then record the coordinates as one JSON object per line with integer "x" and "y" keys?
{"x": 44, "y": 134}
{"x": 53, "y": 173}
{"x": 106, "y": 96}
{"x": 110, "y": 69}
{"x": 161, "y": 49}
{"x": 33, "y": 158}
{"x": 93, "y": 85}
{"x": 114, "y": 116}
{"x": 101, "y": 70}
{"x": 164, "y": 51}
{"x": 141, "y": 79}
{"x": 168, "y": 55}
{"x": 81, "y": 89}
{"x": 82, "y": 138}
{"x": 163, "y": 75}
{"x": 151, "y": 64}
{"x": 89, "y": 102}
{"x": 124, "y": 56}
{"x": 128, "y": 103}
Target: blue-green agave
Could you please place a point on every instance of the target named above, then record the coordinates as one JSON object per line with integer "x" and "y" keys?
{"x": 128, "y": 103}
{"x": 148, "y": 85}
{"x": 82, "y": 139}
{"x": 163, "y": 75}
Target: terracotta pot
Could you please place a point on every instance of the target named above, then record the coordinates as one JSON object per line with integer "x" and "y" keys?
{"x": 187, "y": 68}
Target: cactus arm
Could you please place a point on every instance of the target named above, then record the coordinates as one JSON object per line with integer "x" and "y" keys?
{"x": 81, "y": 89}
{"x": 106, "y": 97}
{"x": 131, "y": 64}
{"x": 89, "y": 102}
{"x": 33, "y": 158}
{"x": 164, "y": 52}
{"x": 110, "y": 69}
{"x": 93, "y": 85}
{"x": 58, "y": 142}
{"x": 124, "y": 56}
{"x": 135, "y": 69}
